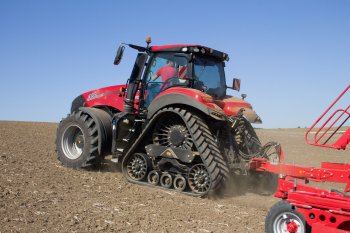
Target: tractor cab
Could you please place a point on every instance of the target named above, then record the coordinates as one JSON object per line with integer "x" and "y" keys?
{"x": 158, "y": 68}
{"x": 193, "y": 70}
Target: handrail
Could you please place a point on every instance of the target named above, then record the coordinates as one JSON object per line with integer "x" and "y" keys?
{"x": 335, "y": 131}
{"x": 335, "y": 121}
{"x": 316, "y": 136}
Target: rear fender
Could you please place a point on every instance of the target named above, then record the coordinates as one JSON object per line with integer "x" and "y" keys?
{"x": 104, "y": 124}
{"x": 176, "y": 99}
{"x": 232, "y": 105}
{"x": 251, "y": 116}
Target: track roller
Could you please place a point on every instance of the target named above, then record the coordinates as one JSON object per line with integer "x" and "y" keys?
{"x": 153, "y": 177}
{"x": 166, "y": 180}
{"x": 179, "y": 183}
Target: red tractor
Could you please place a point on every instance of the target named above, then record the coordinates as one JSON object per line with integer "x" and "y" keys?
{"x": 172, "y": 125}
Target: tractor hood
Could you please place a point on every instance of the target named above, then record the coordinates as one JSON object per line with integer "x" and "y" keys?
{"x": 231, "y": 106}
{"x": 111, "y": 96}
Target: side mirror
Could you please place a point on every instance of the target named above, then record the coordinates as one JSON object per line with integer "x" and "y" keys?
{"x": 236, "y": 84}
{"x": 119, "y": 55}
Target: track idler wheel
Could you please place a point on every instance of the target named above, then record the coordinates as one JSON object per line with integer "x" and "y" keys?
{"x": 179, "y": 183}
{"x": 138, "y": 166}
{"x": 153, "y": 177}
{"x": 199, "y": 179}
{"x": 166, "y": 180}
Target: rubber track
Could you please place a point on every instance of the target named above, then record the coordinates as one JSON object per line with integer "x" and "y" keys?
{"x": 207, "y": 148}
{"x": 204, "y": 142}
{"x": 94, "y": 158}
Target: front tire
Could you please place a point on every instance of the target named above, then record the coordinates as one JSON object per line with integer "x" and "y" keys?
{"x": 77, "y": 141}
{"x": 282, "y": 218}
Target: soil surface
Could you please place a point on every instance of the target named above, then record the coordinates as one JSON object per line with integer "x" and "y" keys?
{"x": 37, "y": 194}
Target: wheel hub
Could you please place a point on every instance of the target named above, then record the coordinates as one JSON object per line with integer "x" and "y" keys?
{"x": 180, "y": 183}
{"x": 167, "y": 181}
{"x": 292, "y": 227}
{"x": 73, "y": 142}
{"x": 200, "y": 179}
{"x": 288, "y": 222}
{"x": 153, "y": 177}
{"x": 79, "y": 141}
{"x": 137, "y": 165}
{"x": 177, "y": 135}
{"x": 171, "y": 131}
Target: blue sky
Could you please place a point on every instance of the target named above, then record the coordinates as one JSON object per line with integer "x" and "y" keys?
{"x": 293, "y": 57}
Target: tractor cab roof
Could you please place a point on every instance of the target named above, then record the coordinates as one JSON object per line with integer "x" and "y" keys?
{"x": 190, "y": 48}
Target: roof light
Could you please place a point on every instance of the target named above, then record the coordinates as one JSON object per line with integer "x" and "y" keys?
{"x": 196, "y": 50}
{"x": 184, "y": 49}
{"x": 203, "y": 50}
{"x": 148, "y": 41}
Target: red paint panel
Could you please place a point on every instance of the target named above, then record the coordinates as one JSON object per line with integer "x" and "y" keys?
{"x": 194, "y": 94}
{"x": 232, "y": 105}
{"x": 106, "y": 96}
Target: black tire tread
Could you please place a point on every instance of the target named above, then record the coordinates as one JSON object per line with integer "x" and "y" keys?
{"x": 92, "y": 158}
{"x": 206, "y": 146}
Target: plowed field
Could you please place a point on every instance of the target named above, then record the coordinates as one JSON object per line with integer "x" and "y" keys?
{"x": 37, "y": 194}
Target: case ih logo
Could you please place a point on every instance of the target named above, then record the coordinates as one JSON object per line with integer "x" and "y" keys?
{"x": 94, "y": 95}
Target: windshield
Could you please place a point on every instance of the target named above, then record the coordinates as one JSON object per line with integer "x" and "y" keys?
{"x": 209, "y": 76}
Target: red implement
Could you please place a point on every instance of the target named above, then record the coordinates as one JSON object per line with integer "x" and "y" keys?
{"x": 306, "y": 208}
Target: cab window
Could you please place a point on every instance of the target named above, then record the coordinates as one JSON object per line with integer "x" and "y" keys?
{"x": 165, "y": 71}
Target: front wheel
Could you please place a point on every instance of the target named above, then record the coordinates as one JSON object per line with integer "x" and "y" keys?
{"x": 77, "y": 141}
{"x": 283, "y": 218}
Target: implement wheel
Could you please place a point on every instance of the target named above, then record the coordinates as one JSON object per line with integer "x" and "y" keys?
{"x": 283, "y": 218}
